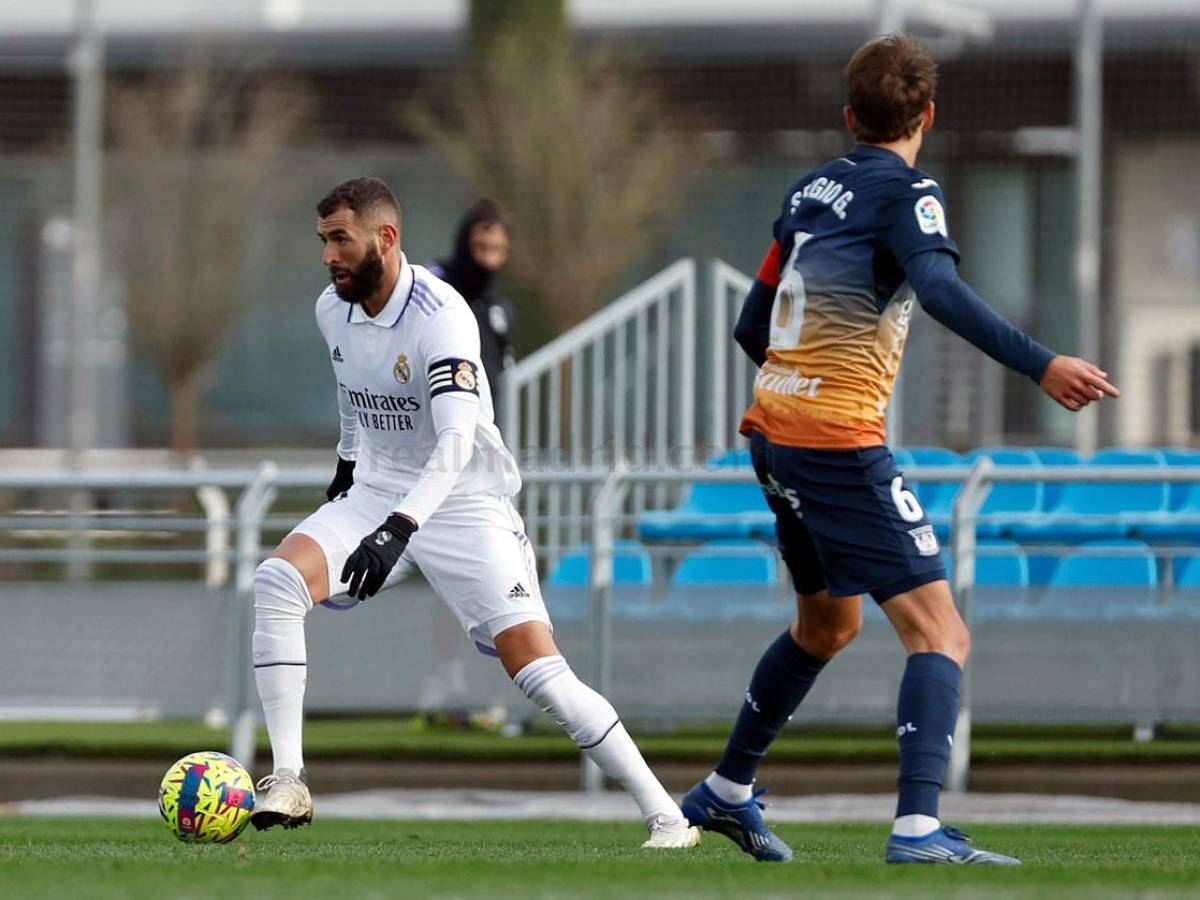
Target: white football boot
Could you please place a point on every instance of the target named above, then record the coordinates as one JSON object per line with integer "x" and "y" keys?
{"x": 671, "y": 834}
{"x": 286, "y": 800}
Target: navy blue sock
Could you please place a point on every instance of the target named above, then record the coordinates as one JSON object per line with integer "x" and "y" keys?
{"x": 780, "y": 681}
{"x": 925, "y": 717}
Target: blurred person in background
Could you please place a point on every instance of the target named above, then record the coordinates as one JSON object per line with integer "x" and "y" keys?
{"x": 480, "y": 252}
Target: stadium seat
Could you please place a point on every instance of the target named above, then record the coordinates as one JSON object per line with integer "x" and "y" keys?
{"x": 727, "y": 562}
{"x": 711, "y": 510}
{"x": 1057, "y": 456}
{"x": 1041, "y": 566}
{"x": 1007, "y": 502}
{"x": 734, "y": 458}
{"x": 1181, "y": 523}
{"x": 937, "y": 497}
{"x": 1001, "y": 582}
{"x": 631, "y": 565}
{"x": 1104, "y": 581}
{"x": 998, "y": 564}
{"x": 1091, "y": 567}
{"x": 902, "y": 457}
{"x": 931, "y": 456}
{"x": 1054, "y": 456}
{"x": 1186, "y": 571}
{"x": 1079, "y": 500}
{"x": 1001, "y": 564}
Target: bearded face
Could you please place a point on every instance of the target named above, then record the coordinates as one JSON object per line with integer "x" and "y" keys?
{"x": 360, "y": 283}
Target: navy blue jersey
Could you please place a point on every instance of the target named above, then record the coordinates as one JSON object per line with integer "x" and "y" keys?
{"x": 842, "y": 305}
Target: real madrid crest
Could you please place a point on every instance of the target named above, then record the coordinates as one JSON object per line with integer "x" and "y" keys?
{"x": 401, "y": 369}
{"x": 465, "y": 377}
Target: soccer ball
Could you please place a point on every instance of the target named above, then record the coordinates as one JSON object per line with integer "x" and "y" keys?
{"x": 206, "y": 797}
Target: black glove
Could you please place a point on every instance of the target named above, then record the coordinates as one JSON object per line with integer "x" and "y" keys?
{"x": 377, "y": 554}
{"x": 342, "y": 480}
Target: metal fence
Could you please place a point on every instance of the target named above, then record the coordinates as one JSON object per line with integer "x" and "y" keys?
{"x": 621, "y": 385}
{"x": 1168, "y": 643}
{"x": 185, "y": 647}
{"x": 730, "y": 372}
{"x": 647, "y": 380}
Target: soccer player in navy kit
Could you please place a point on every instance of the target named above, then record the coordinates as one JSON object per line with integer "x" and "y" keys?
{"x": 858, "y": 241}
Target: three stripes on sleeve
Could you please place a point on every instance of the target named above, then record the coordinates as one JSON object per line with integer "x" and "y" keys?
{"x": 450, "y": 374}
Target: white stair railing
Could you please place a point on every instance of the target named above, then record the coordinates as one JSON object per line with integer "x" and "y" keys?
{"x": 620, "y": 385}
{"x": 732, "y": 384}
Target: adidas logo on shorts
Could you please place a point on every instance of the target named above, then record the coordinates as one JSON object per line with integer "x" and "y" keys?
{"x": 518, "y": 591}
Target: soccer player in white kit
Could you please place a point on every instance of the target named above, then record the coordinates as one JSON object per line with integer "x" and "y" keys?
{"x": 423, "y": 478}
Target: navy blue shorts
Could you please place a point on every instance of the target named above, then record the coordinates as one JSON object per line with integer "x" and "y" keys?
{"x": 846, "y": 521}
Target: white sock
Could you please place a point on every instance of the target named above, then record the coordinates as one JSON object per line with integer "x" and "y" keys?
{"x": 281, "y": 601}
{"x": 729, "y": 791}
{"x": 593, "y": 724}
{"x": 915, "y": 826}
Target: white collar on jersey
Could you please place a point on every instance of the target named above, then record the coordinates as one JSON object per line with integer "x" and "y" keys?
{"x": 394, "y": 308}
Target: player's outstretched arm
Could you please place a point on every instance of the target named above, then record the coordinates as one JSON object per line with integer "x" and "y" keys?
{"x": 948, "y": 299}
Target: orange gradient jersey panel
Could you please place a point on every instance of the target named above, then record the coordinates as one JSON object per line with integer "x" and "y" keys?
{"x": 842, "y": 306}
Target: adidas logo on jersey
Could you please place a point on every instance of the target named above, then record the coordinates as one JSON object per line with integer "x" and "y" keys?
{"x": 518, "y": 591}
{"x": 337, "y": 354}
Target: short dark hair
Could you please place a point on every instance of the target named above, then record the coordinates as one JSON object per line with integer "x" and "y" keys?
{"x": 889, "y": 81}
{"x": 365, "y": 197}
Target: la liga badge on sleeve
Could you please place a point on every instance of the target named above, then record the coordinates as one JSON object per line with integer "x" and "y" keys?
{"x": 931, "y": 218}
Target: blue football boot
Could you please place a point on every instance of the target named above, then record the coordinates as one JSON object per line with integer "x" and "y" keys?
{"x": 742, "y": 823}
{"x": 946, "y": 845}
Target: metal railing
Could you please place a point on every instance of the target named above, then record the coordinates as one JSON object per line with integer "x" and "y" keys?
{"x": 977, "y": 483}
{"x": 976, "y": 487}
{"x": 603, "y": 493}
{"x": 731, "y": 377}
{"x": 620, "y": 385}
{"x": 209, "y": 492}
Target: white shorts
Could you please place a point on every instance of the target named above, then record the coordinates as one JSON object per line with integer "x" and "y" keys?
{"x": 473, "y": 552}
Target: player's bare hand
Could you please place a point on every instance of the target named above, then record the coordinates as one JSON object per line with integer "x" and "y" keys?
{"x": 1074, "y": 383}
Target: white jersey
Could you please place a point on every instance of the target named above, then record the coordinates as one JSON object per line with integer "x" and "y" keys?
{"x": 423, "y": 343}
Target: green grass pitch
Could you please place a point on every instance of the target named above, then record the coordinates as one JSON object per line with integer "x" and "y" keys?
{"x": 338, "y": 860}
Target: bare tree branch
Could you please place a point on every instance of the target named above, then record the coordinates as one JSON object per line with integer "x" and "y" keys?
{"x": 575, "y": 147}
{"x": 193, "y": 157}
